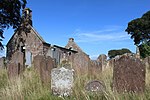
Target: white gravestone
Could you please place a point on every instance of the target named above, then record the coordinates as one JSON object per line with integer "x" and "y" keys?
{"x": 61, "y": 81}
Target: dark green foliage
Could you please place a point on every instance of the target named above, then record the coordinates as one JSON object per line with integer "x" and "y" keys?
{"x": 10, "y": 15}
{"x": 139, "y": 29}
{"x": 113, "y": 53}
{"x": 144, "y": 50}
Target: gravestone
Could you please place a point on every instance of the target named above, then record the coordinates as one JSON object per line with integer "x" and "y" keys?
{"x": 61, "y": 81}
{"x": 95, "y": 86}
{"x": 95, "y": 67}
{"x": 103, "y": 60}
{"x": 111, "y": 62}
{"x": 18, "y": 57}
{"x": 129, "y": 75}
{"x": 12, "y": 70}
{"x": 37, "y": 62}
{"x": 16, "y": 64}
{"x": 43, "y": 66}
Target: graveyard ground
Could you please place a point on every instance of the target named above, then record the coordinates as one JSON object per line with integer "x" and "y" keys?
{"x": 29, "y": 87}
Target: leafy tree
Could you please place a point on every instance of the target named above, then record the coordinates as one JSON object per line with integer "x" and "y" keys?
{"x": 145, "y": 49}
{"x": 139, "y": 29}
{"x": 10, "y": 15}
{"x": 113, "y": 53}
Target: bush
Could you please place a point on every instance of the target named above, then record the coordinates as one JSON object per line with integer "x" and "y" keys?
{"x": 113, "y": 53}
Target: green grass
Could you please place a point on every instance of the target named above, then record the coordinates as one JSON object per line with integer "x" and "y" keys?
{"x": 28, "y": 86}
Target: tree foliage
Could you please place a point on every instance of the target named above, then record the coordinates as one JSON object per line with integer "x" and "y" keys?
{"x": 113, "y": 53}
{"x": 10, "y": 15}
{"x": 139, "y": 29}
{"x": 144, "y": 50}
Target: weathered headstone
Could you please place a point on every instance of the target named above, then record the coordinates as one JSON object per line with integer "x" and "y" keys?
{"x": 81, "y": 62}
{"x": 18, "y": 57}
{"x": 61, "y": 81}
{"x": 129, "y": 75}
{"x": 95, "y": 86}
{"x": 37, "y": 62}
{"x": 95, "y": 67}
{"x": 16, "y": 64}
{"x": 44, "y": 65}
{"x": 111, "y": 63}
{"x": 103, "y": 60}
{"x": 12, "y": 70}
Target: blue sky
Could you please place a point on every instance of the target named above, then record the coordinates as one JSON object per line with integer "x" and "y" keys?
{"x": 96, "y": 25}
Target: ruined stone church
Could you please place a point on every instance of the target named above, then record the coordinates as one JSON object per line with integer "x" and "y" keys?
{"x": 30, "y": 44}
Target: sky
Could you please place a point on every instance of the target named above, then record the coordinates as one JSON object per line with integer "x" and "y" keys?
{"x": 96, "y": 25}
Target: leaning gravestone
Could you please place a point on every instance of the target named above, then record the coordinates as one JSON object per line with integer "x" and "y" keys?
{"x": 95, "y": 86}
{"x": 129, "y": 75}
{"x": 61, "y": 81}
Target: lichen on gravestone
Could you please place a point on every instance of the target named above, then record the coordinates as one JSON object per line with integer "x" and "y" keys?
{"x": 129, "y": 74}
{"x": 61, "y": 81}
{"x": 95, "y": 86}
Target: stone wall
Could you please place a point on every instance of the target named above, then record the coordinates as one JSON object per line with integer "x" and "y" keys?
{"x": 30, "y": 41}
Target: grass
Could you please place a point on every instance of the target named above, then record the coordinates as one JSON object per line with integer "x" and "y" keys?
{"x": 28, "y": 86}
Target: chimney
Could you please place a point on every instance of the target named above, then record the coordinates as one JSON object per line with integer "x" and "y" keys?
{"x": 27, "y": 16}
{"x": 71, "y": 39}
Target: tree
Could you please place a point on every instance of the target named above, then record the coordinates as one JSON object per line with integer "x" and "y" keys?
{"x": 10, "y": 15}
{"x": 144, "y": 50}
{"x": 139, "y": 29}
{"x": 113, "y": 53}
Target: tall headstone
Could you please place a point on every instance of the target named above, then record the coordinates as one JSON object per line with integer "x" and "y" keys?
{"x": 43, "y": 66}
{"x": 129, "y": 75}
{"x": 81, "y": 60}
{"x": 103, "y": 60}
{"x": 111, "y": 63}
{"x": 95, "y": 67}
{"x": 61, "y": 81}
{"x": 16, "y": 64}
